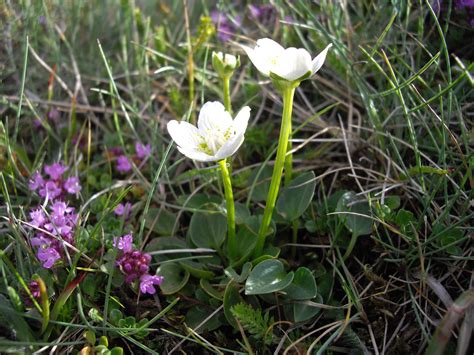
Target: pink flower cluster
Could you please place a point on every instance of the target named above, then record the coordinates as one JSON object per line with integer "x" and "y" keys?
{"x": 51, "y": 230}
{"x": 56, "y": 186}
{"x": 123, "y": 163}
{"x": 135, "y": 265}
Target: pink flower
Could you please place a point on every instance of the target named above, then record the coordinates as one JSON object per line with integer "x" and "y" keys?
{"x": 55, "y": 171}
{"x": 71, "y": 185}
{"x": 48, "y": 256}
{"x": 148, "y": 282}
{"x": 59, "y": 208}
{"x": 123, "y": 164}
{"x": 142, "y": 151}
{"x": 124, "y": 243}
{"x": 50, "y": 189}
{"x": 123, "y": 210}
{"x": 38, "y": 218}
{"x": 36, "y": 181}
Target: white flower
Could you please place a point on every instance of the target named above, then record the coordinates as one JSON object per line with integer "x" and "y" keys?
{"x": 224, "y": 64}
{"x": 226, "y": 59}
{"x": 290, "y": 64}
{"x": 215, "y": 138}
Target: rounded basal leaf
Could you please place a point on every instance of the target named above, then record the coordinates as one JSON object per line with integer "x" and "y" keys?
{"x": 303, "y": 286}
{"x": 242, "y": 213}
{"x": 268, "y": 276}
{"x": 210, "y": 290}
{"x": 199, "y": 315}
{"x": 160, "y": 221}
{"x": 175, "y": 278}
{"x": 296, "y": 197}
{"x": 246, "y": 240}
{"x": 208, "y": 230}
{"x": 231, "y": 298}
{"x": 355, "y": 220}
{"x": 259, "y": 183}
{"x": 271, "y": 252}
{"x": 300, "y": 312}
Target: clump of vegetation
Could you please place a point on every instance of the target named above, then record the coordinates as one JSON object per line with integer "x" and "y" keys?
{"x": 270, "y": 177}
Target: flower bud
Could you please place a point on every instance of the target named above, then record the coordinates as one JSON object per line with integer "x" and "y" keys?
{"x": 225, "y": 64}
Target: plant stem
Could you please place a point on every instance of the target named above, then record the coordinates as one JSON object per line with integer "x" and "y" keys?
{"x": 226, "y": 84}
{"x": 229, "y": 198}
{"x": 289, "y": 161}
{"x": 285, "y": 131}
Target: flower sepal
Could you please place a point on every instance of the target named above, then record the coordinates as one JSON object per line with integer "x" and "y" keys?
{"x": 225, "y": 64}
{"x": 282, "y": 84}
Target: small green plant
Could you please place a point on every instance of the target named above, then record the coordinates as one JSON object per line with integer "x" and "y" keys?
{"x": 253, "y": 320}
{"x": 98, "y": 346}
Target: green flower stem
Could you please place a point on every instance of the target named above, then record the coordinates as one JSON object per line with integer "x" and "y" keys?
{"x": 226, "y": 84}
{"x": 285, "y": 130}
{"x": 289, "y": 161}
{"x": 229, "y": 198}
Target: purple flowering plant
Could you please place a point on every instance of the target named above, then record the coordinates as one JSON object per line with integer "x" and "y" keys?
{"x": 52, "y": 184}
{"x": 135, "y": 265}
{"x": 124, "y": 163}
{"x": 52, "y": 232}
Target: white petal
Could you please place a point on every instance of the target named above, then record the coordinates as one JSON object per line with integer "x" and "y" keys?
{"x": 319, "y": 60}
{"x": 293, "y": 64}
{"x": 184, "y": 134}
{"x": 269, "y": 46}
{"x": 230, "y": 60}
{"x": 213, "y": 116}
{"x": 241, "y": 120}
{"x": 261, "y": 63}
{"x": 230, "y": 147}
{"x": 264, "y": 54}
{"x": 195, "y": 154}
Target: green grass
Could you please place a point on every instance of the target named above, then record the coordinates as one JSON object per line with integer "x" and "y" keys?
{"x": 386, "y": 127}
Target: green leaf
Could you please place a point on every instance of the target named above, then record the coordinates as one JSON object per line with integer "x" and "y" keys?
{"x": 210, "y": 290}
{"x": 174, "y": 278}
{"x": 197, "y": 314}
{"x": 160, "y": 221}
{"x": 242, "y": 213}
{"x": 405, "y": 218}
{"x": 423, "y": 169}
{"x": 115, "y": 316}
{"x": 15, "y": 299}
{"x": 116, "y": 351}
{"x": 268, "y": 276}
{"x": 300, "y": 312}
{"x": 104, "y": 341}
{"x": 232, "y": 274}
{"x": 449, "y": 238}
{"x": 407, "y": 223}
{"x": 231, "y": 298}
{"x": 246, "y": 240}
{"x": 357, "y": 224}
{"x": 208, "y": 230}
{"x": 303, "y": 286}
{"x": 393, "y": 202}
{"x": 89, "y": 335}
{"x": 262, "y": 185}
{"x": 296, "y": 197}
{"x": 196, "y": 269}
{"x": 15, "y": 321}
